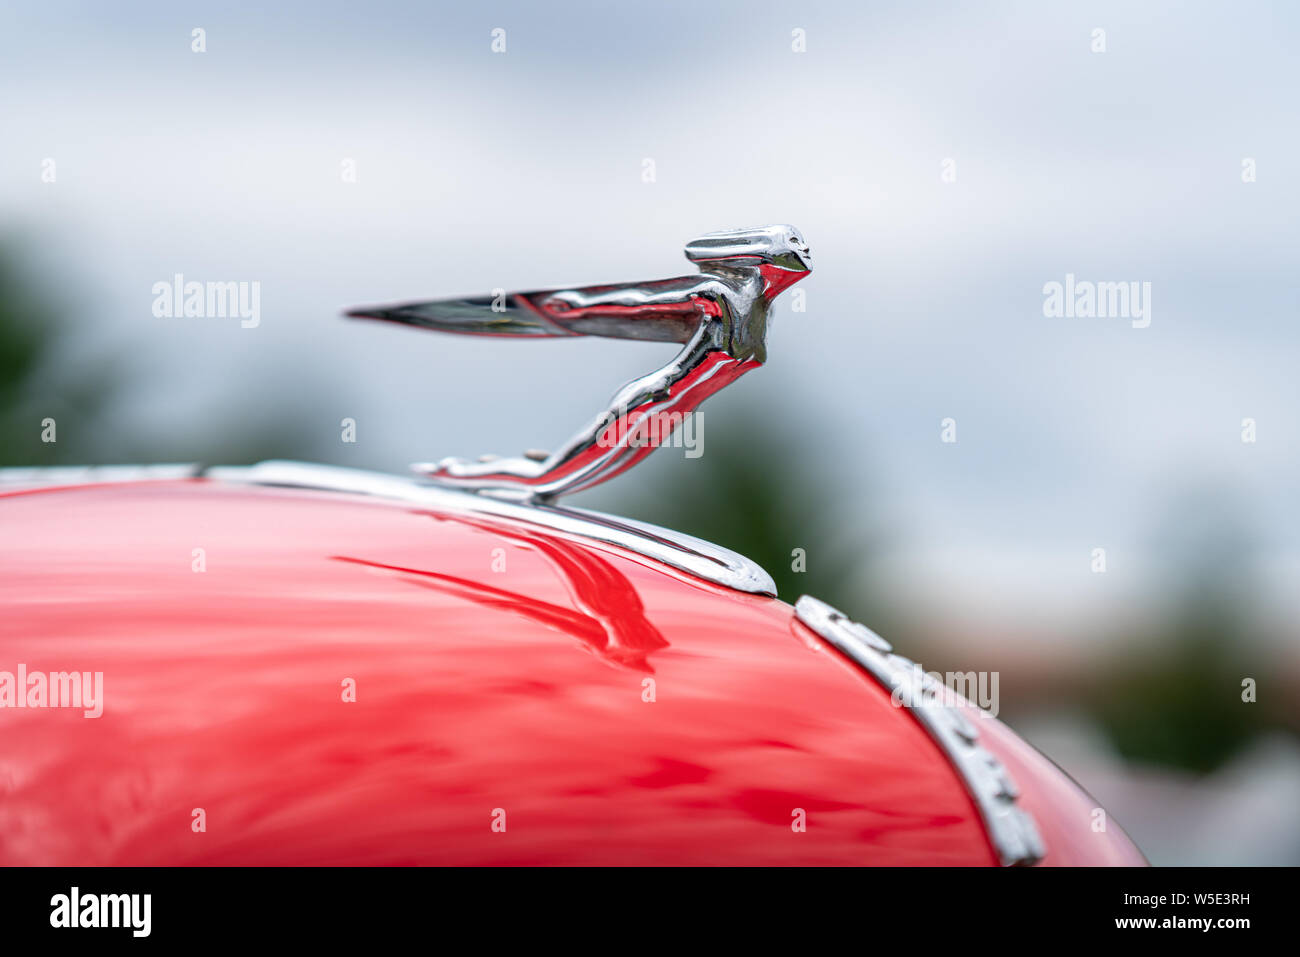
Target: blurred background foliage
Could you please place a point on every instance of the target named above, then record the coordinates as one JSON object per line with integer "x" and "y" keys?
{"x": 1176, "y": 696}
{"x": 34, "y": 385}
{"x": 42, "y": 377}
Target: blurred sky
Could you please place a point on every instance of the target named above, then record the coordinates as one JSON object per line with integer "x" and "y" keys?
{"x": 478, "y": 170}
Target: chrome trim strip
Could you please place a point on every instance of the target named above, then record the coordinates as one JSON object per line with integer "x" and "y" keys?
{"x": 50, "y": 475}
{"x": 683, "y": 552}
{"x": 1010, "y": 828}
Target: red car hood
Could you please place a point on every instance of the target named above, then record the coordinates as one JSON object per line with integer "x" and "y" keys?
{"x": 520, "y": 698}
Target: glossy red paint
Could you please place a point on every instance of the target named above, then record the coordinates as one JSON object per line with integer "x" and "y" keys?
{"x": 1065, "y": 813}
{"x": 496, "y": 667}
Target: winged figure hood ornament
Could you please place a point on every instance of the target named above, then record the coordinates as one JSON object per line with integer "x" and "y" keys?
{"x": 719, "y": 316}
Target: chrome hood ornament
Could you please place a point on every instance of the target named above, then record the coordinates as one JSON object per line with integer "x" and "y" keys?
{"x": 720, "y": 317}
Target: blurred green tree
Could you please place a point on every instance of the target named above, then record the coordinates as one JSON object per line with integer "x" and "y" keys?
{"x": 1176, "y": 699}
{"x": 34, "y": 386}
{"x": 41, "y": 380}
